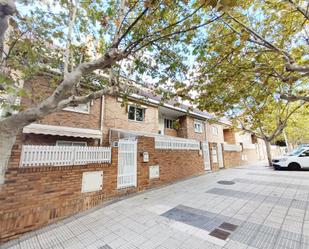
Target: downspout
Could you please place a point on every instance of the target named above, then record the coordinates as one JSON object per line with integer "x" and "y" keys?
{"x": 205, "y": 129}
{"x": 102, "y": 118}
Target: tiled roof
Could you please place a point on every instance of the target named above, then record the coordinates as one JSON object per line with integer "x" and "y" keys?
{"x": 174, "y": 103}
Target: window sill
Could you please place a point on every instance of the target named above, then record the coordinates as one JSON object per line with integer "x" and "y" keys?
{"x": 76, "y": 111}
{"x": 136, "y": 121}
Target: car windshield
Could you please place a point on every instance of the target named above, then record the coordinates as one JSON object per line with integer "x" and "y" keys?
{"x": 296, "y": 151}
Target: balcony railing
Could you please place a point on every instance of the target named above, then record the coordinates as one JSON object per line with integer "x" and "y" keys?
{"x": 176, "y": 144}
{"x": 41, "y": 155}
{"x": 249, "y": 146}
{"x": 232, "y": 147}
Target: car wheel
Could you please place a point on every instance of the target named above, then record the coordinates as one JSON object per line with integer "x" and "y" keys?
{"x": 277, "y": 167}
{"x": 294, "y": 166}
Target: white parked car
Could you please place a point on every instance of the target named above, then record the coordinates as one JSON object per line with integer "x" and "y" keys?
{"x": 296, "y": 159}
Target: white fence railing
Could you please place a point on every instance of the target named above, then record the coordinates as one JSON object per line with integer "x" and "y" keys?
{"x": 176, "y": 144}
{"x": 232, "y": 147}
{"x": 42, "y": 155}
{"x": 249, "y": 146}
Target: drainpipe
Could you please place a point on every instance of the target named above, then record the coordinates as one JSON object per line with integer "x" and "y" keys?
{"x": 205, "y": 129}
{"x": 102, "y": 118}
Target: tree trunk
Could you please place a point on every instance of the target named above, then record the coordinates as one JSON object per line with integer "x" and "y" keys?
{"x": 268, "y": 151}
{"x": 6, "y": 144}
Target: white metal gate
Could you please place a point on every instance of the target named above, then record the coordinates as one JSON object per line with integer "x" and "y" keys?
{"x": 127, "y": 163}
{"x": 220, "y": 156}
{"x": 205, "y": 147}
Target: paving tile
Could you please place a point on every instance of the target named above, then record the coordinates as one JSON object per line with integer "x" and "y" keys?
{"x": 270, "y": 210}
{"x": 228, "y": 226}
{"x": 220, "y": 234}
{"x": 105, "y": 247}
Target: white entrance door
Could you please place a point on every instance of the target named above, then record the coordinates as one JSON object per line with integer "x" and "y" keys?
{"x": 220, "y": 156}
{"x": 205, "y": 147}
{"x": 127, "y": 164}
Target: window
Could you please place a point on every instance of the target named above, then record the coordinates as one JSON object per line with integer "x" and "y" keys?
{"x": 215, "y": 130}
{"x": 82, "y": 108}
{"x": 198, "y": 126}
{"x": 70, "y": 143}
{"x": 136, "y": 113}
{"x": 305, "y": 153}
{"x": 169, "y": 124}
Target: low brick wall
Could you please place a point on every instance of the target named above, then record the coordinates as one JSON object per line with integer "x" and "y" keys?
{"x": 235, "y": 158}
{"x": 35, "y": 196}
{"x": 251, "y": 154}
{"x": 232, "y": 158}
{"x": 174, "y": 164}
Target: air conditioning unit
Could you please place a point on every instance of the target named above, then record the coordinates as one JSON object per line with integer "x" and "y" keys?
{"x": 115, "y": 143}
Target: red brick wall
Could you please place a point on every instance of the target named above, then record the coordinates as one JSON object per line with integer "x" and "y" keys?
{"x": 33, "y": 197}
{"x": 116, "y": 116}
{"x": 170, "y": 132}
{"x": 39, "y": 88}
{"x": 229, "y": 136}
{"x": 186, "y": 129}
{"x": 174, "y": 164}
{"x": 232, "y": 159}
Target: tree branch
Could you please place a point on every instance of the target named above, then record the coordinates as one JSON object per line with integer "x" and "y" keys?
{"x": 7, "y": 8}
{"x": 304, "y": 12}
{"x": 116, "y": 44}
{"x": 266, "y": 43}
{"x": 296, "y": 68}
{"x": 173, "y": 34}
{"x": 293, "y": 98}
{"x": 14, "y": 123}
{"x": 72, "y": 15}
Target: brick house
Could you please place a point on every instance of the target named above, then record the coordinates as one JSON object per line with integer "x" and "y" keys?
{"x": 85, "y": 169}
{"x": 108, "y": 119}
{"x": 104, "y": 121}
{"x": 91, "y": 124}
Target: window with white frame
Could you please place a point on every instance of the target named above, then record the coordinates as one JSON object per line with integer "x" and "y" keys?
{"x": 82, "y": 108}
{"x": 70, "y": 143}
{"x": 198, "y": 126}
{"x": 169, "y": 123}
{"x": 136, "y": 113}
{"x": 215, "y": 130}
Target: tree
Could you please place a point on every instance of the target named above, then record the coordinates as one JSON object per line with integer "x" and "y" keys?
{"x": 254, "y": 71}
{"x": 265, "y": 120}
{"x": 297, "y": 130}
{"x": 240, "y": 87}
{"x": 129, "y": 38}
{"x": 270, "y": 38}
{"x": 277, "y": 28}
